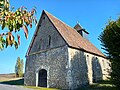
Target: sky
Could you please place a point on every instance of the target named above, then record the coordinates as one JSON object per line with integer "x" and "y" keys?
{"x": 92, "y": 15}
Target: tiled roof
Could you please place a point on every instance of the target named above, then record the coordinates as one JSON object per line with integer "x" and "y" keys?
{"x": 72, "y": 37}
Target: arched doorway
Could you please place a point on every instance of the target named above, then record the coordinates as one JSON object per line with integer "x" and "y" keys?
{"x": 42, "y": 78}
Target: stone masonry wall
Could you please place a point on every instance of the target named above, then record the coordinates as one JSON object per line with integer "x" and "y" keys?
{"x": 55, "y": 61}
{"x": 67, "y": 68}
{"x": 85, "y": 67}
{"x": 77, "y": 68}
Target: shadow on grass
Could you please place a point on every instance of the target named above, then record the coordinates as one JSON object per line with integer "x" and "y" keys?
{"x": 105, "y": 82}
{"x": 102, "y": 85}
{"x": 14, "y": 82}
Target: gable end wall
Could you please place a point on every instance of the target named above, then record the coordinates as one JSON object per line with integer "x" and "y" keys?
{"x": 46, "y": 36}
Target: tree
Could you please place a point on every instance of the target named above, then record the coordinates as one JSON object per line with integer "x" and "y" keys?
{"x": 22, "y": 66}
{"x": 110, "y": 39}
{"x": 13, "y": 20}
{"x": 19, "y": 67}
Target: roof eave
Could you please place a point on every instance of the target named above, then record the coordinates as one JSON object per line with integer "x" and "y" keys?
{"x": 88, "y": 51}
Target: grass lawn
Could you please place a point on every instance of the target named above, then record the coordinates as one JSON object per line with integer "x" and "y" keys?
{"x": 102, "y": 85}
{"x": 40, "y": 88}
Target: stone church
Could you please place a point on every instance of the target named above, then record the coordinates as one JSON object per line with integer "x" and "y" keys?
{"x": 60, "y": 56}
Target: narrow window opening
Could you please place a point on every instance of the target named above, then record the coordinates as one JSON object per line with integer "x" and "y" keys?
{"x": 43, "y": 17}
{"x": 40, "y": 44}
{"x": 88, "y": 57}
{"x": 49, "y": 40}
{"x": 88, "y": 60}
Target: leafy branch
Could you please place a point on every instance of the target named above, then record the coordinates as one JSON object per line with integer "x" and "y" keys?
{"x": 14, "y": 20}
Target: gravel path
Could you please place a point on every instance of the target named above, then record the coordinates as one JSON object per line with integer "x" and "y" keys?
{"x": 12, "y": 87}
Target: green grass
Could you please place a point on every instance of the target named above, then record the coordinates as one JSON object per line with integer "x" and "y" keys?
{"x": 102, "y": 85}
{"x": 40, "y": 88}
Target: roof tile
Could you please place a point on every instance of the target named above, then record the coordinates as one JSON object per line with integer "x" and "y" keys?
{"x": 72, "y": 37}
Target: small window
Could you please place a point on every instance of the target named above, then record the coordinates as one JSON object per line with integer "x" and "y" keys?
{"x": 43, "y": 17}
{"x": 49, "y": 40}
{"x": 96, "y": 58}
{"x": 40, "y": 44}
{"x": 87, "y": 56}
{"x": 88, "y": 59}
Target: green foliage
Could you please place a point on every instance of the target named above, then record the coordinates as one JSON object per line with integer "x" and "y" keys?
{"x": 110, "y": 39}
{"x": 19, "y": 67}
{"x": 14, "y": 20}
{"x": 2, "y": 42}
{"x": 102, "y": 85}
